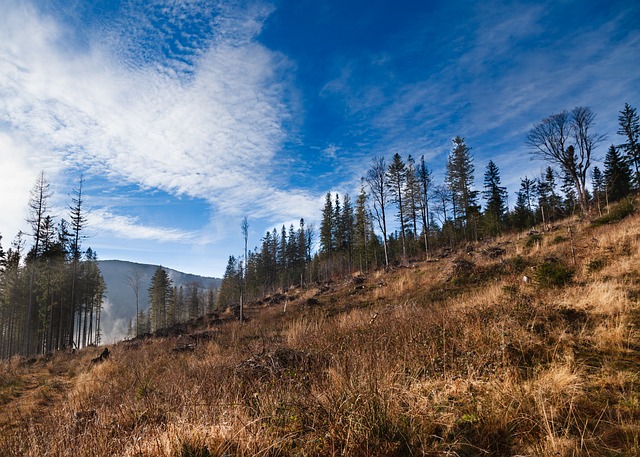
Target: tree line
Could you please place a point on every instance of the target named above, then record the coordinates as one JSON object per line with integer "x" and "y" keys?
{"x": 401, "y": 213}
{"x": 51, "y": 292}
{"x": 168, "y": 304}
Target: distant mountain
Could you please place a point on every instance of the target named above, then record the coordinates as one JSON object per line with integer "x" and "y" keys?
{"x": 119, "y": 300}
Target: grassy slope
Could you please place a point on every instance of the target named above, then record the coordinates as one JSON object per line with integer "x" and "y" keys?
{"x": 449, "y": 357}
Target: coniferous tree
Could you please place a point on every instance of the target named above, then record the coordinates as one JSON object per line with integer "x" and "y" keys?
{"x": 629, "y": 123}
{"x": 617, "y": 175}
{"x": 230, "y": 288}
{"x": 159, "y": 296}
{"x": 327, "y": 230}
{"x": 396, "y": 182}
{"x": 459, "y": 180}
{"x": 412, "y": 202}
{"x": 38, "y": 208}
{"x": 496, "y": 198}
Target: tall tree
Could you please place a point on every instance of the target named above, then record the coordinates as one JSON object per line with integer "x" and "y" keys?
{"x": 376, "y": 179}
{"x": 617, "y": 175}
{"x": 630, "y": 128}
{"x": 459, "y": 180}
{"x": 159, "y": 296}
{"x": 496, "y": 198}
{"x": 396, "y": 182}
{"x": 424, "y": 181}
{"x": 327, "y": 230}
{"x": 550, "y": 139}
{"x": 38, "y": 208}
{"x": 244, "y": 227}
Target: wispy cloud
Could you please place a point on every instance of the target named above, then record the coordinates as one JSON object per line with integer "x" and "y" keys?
{"x": 129, "y": 227}
{"x": 194, "y": 117}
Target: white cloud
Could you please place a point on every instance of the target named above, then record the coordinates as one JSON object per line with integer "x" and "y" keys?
{"x": 205, "y": 124}
{"x": 128, "y": 227}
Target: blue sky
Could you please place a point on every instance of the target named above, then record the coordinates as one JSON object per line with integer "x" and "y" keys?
{"x": 185, "y": 116}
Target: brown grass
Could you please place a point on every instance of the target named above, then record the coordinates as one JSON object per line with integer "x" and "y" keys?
{"x": 415, "y": 362}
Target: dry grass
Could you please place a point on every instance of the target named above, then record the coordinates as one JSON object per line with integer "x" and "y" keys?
{"x": 416, "y": 361}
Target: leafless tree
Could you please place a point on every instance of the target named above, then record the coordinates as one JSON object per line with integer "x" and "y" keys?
{"x": 134, "y": 280}
{"x": 376, "y": 179}
{"x": 551, "y": 140}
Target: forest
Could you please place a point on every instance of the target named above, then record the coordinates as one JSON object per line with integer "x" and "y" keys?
{"x": 400, "y": 213}
{"x": 51, "y": 292}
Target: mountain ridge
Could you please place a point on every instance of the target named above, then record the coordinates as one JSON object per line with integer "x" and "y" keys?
{"x": 119, "y": 299}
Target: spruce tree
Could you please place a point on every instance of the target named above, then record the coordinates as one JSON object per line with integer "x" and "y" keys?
{"x": 159, "y": 296}
{"x": 617, "y": 175}
{"x": 495, "y": 196}
{"x": 459, "y": 180}
{"x": 396, "y": 182}
{"x": 630, "y": 128}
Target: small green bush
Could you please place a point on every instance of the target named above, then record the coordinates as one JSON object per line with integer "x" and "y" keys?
{"x": 623, "y": 209}
{"x": 595, "y": 265}
{"x": 552, "y": 273}
{"x": 533, "y": 240}
{"x": 559, "y": 239}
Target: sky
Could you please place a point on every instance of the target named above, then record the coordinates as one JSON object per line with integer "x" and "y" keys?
{"x": 184, "y": 116}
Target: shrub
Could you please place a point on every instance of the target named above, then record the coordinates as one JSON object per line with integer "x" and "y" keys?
{"x": 552, "y": 273}
{"x": 617, "y": 213}
{"x": 595, "y": 265}
{"x": 533, "y": 240}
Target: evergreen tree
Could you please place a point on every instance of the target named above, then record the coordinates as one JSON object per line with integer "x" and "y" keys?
{"x": 459, "y": 180}
{"x": 396, "y": 182}
{"x": 327, "y": 230}
{"x": 229, "y": 293}
{"x": 630, "y": 128}
{"x": 496, "y": 197}
{"x": 412, "y": 200}
{"x": 159, "y": 296}
{"x": 617, "y": 175}
{"x": 522, "y": 217}
{"x": 38, "y": 208}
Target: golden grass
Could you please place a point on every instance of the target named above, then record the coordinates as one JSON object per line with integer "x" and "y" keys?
{"x": 406, "y": 365}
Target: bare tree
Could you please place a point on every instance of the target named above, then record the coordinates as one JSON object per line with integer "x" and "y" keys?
{"x": 134, "y": 280}
{"x": 244, "y": 226}
{"x": 550, "y": 139}
{"x": 376, "y": 179}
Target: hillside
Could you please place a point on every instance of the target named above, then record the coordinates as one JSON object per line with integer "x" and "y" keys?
{"x": 119, "y": 300}
{"x": 452, "y": 356}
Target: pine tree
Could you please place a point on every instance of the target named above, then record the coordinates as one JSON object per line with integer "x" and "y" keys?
{"x": 459, "y": 180}
{"x": 617, "y": 175}
{"x": 229, "y": 292}
{"x": 327, "y": 230}
{"x": 412, "y": 199}
{"x": 496, "y": 197}
{"x": 38, "y": 207}
{"x": 396, "y": 182}
{"x": 159, "y": 296}
{"x": 630, "y": 128}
